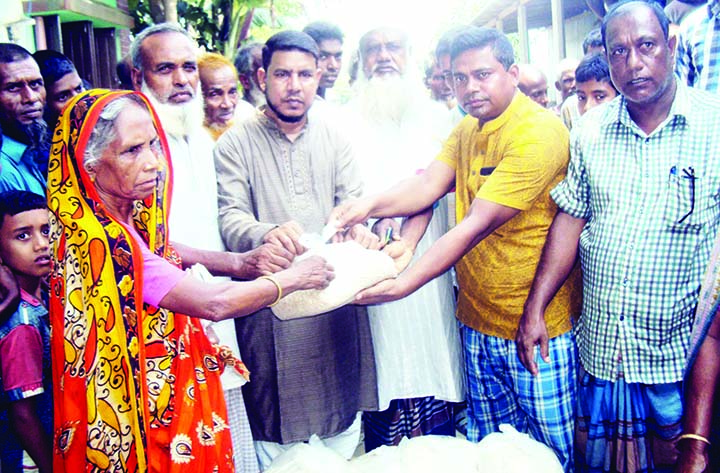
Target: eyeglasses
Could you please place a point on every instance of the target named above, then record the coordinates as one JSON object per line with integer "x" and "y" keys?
{"x": 689, "y": 173}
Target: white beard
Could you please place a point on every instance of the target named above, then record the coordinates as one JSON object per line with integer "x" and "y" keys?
{"x": 178, "y": 120}
{"x": 387, "y": 99}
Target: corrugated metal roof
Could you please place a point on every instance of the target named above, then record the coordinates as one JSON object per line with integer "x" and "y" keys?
{"x": 538, "y": 13}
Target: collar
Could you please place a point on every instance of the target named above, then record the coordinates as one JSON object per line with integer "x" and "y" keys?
{"x": 29, "y": 299}
{"x": 618, "y": 113}
{"x": 499, "y": 121}
{"x": 272, "y": 124}
{"x": 714, "y": 8}
{"x": 13, "y": 149}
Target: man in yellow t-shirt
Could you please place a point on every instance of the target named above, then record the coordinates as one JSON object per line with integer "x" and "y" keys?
{"x": 503, "y": 159}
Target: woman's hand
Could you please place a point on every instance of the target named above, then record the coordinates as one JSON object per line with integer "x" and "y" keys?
{"x": 311, "y": 273}
{"x": 265, "y": 259}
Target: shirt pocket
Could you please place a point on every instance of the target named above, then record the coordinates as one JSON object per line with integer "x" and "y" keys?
{"x": 684, "y": 206}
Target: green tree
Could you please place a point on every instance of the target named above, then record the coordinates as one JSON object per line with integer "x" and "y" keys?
{"x": 218, "y": 25}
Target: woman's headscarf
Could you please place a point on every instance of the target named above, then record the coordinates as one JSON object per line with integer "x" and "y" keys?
{"x": 136, "y": 388}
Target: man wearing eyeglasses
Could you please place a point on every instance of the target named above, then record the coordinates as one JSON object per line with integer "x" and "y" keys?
{"x": 639, "y": 206}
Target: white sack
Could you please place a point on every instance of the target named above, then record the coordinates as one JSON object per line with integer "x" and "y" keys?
{"x": 311, "y": 457}
{"x": 383, "y": 459}
{"x": 439, "y": 454}
{"x": 510, "y": 451}
{"x": 356, "y": 268}
{"x": 427, "y": 454}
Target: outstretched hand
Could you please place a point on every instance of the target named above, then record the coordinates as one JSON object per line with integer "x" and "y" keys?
{"x": 265, "y": 259}
{"x": 363, "y": 236}
{"x": 351, "y": 213}
{"x": 311, "y": 273}
{"x": 287, "y": 236}
{"x": 384, "y": 291}
{"x": 401, "y": 253}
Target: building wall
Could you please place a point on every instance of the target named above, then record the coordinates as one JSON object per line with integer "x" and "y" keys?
{"x": 575, "y": 30}
{"x": 541, "y": 46}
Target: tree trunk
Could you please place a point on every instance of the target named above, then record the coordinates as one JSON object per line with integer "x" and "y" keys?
{"x": 171, "y": 11}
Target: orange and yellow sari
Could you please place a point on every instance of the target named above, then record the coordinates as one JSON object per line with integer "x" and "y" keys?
{"x": 136, "y": 388}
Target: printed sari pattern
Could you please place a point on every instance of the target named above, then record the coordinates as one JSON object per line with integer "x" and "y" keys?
{"x": 136, "y": 388}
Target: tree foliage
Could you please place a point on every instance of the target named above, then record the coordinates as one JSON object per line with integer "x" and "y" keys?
{"x": 218, "y": 25}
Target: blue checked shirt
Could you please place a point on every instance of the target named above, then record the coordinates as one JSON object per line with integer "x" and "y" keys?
{"x": 651, "y": 206}
{"x": 698, "y": 50}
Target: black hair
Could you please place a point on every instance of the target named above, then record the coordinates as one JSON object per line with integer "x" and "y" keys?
{"x": 13, "y": 202}
{"x": 593, "y": 67}
{"x": 445, "y": 42}
{"x": 123, "y": 70}
{"x": 321, "y": 31}
{"x": 11, "y": 52}
{"x": 474, "y": 37}
{"x": 593, "y": 39}
{"x": 53, "y": 65}
{"x": 289, "y": 40}
{"x": 618, "y": 9}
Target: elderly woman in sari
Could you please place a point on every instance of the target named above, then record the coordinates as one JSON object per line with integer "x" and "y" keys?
{"x": 136, "y": 384}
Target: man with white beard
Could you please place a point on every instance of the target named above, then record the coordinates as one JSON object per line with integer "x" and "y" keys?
{"x": 398, "y": 130}
{"x": 165, "y": 69}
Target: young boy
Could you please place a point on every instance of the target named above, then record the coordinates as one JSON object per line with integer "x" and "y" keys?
{"x": 25, "y": 389}
{"x": 592, "y": 80}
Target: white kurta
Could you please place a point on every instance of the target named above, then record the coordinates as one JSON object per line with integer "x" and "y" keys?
{"x": 418, "y": 352}
{"x": 194, "y": 219}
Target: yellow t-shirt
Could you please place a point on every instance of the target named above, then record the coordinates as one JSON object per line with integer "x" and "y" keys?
{"x": 513, "y": 160}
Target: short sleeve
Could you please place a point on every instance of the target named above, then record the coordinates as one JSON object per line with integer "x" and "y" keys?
{"x": 533, "y": 159}
{"x": 21, "y": 353}
{"x": 572, "y": 194}
{"x": 159, "y": 277}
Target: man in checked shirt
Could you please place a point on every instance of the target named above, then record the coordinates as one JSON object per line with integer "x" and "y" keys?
{"x": 639, "y": 205}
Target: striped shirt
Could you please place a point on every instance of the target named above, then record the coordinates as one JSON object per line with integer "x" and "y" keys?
{"x": 651, "y": 206}
{"x": 698, "y": 50}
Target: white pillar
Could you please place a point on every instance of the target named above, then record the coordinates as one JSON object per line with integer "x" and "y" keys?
{"x": 524, "y": 53}
{"x": 558, "y": 29}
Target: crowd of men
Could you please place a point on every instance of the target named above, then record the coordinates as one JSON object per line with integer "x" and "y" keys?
{"x": 579, "y": 257}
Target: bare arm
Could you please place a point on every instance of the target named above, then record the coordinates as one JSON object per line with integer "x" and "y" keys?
{"x": 28, "y": 428}
{"x": 264, "y": 259}
{"x": 700, "y": 397}
{"x": 414, "y": 227}
{"x": 407, "y": 197}
{"x": 483, "y": 218}
{"x": 556, "y": 263}
{"x": 220, "y": 301}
